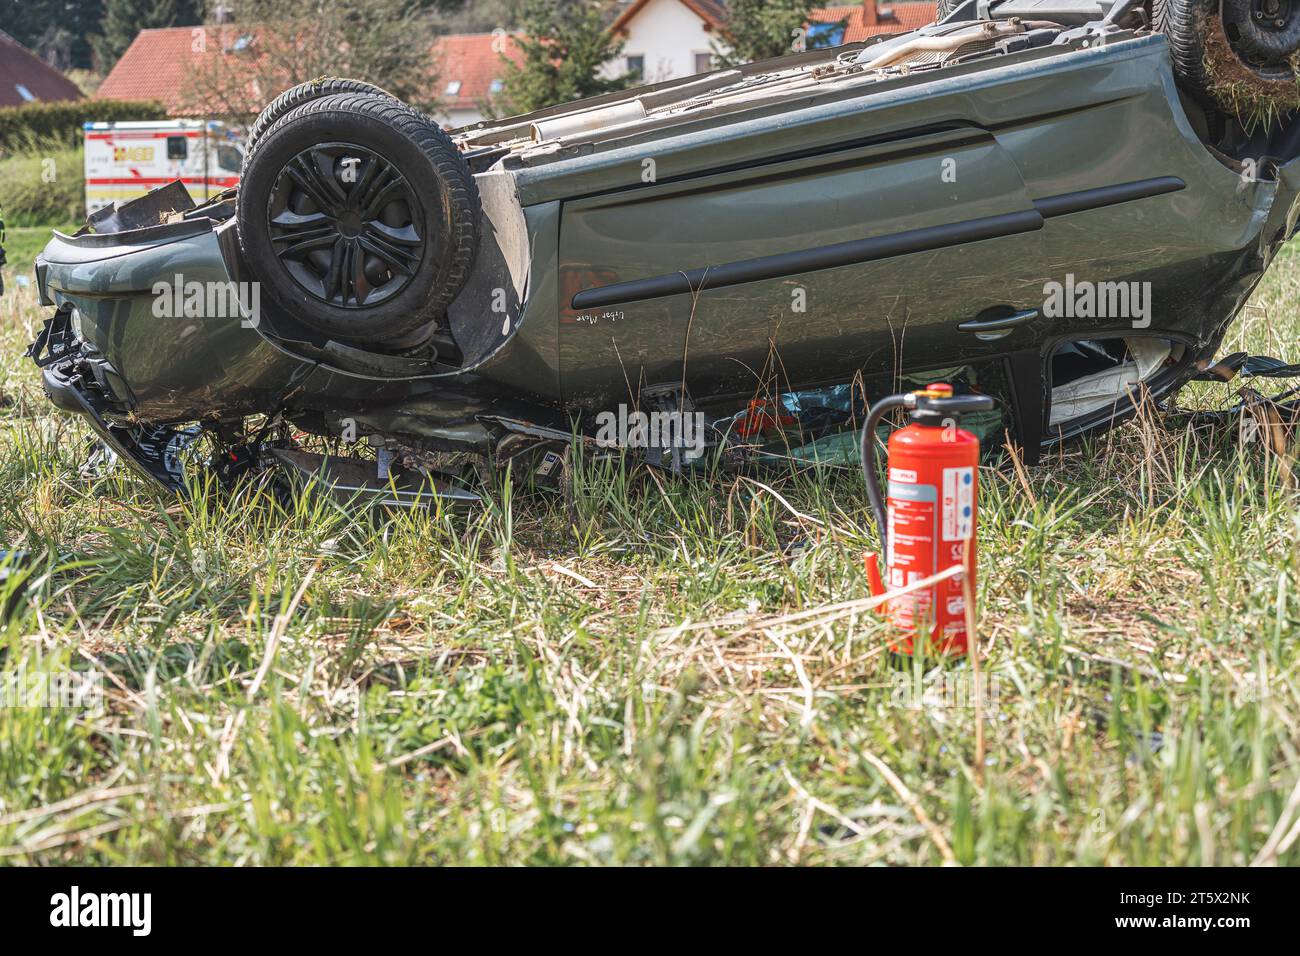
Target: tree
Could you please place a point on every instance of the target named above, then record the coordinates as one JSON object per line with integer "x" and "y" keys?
{"x": 271, "y": 45}
{"x": 478, "y": 16}
{"x": 565, "y": 44}
{"x": 54, "y": 29}
{"x": 57, "y": 46}
{"x": 760, "y": 29}
{"x": 123, "y": 19}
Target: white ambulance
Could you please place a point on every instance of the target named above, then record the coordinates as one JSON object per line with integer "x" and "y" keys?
{"x": 126, "y": 160}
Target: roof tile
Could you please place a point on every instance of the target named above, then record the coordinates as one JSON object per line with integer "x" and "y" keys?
{"x": 890, "y": 18}
{"x": 160, "y": 65}
{"x": 474, "y": 60}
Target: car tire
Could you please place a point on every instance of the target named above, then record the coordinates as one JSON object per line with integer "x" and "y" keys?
{"x": 360, "y": 219}
{"x": 1254, "y": 60}
{"x": 292, "y": 98}
{"x": 1179, "y": 21}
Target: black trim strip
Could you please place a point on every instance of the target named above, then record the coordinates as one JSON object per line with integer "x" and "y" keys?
{"x": 869, "y": 250}
{"x": 811, "y": 260}
{"x": 1103, "y": 196}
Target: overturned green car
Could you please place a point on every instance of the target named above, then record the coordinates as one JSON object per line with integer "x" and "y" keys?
{"x": 1062, "y": 203}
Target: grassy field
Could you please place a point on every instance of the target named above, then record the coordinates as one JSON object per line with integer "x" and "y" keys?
{"x": 21, "y": 245}
{"x": 300, "y": 686}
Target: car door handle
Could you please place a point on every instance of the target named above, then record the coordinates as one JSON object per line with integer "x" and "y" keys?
{"x": 1003, "y": 322}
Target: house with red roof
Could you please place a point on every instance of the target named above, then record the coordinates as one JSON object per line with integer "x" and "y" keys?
{"x": 193, "y": 71}
{"x": 663, "y": 39}
{"x": 871, "y": 18}
{"x": 471, "y": 72}
{"x": 219, "y": 70}
{"x": 667, "y": 39}
{"x": 26, "y": 78}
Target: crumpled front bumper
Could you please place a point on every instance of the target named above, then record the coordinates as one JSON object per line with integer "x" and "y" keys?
{"x": 77, "y": 382}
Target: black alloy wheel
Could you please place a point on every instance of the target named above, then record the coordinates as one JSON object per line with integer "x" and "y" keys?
{"x": 345, "y": 224}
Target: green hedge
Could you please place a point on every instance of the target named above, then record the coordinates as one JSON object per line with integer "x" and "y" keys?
{"x": 43, "y": 188}
{"x": 46, "y": 123}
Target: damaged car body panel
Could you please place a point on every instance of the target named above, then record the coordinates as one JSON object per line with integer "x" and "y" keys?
{"x": 821, "y": 214}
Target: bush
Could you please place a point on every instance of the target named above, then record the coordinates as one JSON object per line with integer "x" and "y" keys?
{"x": 44, "y": 123}
{"x": 43, "y": 187}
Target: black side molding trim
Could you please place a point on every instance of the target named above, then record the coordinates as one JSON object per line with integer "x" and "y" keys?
{"x": 869, "y": 250}
{"x": 811, "y": 260}
{"x": 1103, "y": 196}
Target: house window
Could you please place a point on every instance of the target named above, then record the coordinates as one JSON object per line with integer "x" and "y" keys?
{"x": 496, "y": 86}
{"x": 453, "y": 88}
{"x": 703, "y": 62}
{"x": 177, "y": 147}
{"x": 636, "y": 64}
{"x": 24, "y": 92}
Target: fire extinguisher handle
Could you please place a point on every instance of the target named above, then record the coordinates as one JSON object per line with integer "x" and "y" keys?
{"x": 870, "y": 456}
{"x": 961, "y": 404}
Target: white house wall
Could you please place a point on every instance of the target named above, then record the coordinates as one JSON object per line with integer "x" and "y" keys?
{"x": 668, "y": 35}
{"x": 459, "y": 117}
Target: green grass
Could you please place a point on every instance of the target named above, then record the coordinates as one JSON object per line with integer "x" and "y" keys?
{"x": 301, "y": 686}
{"x": 44, "y": 183}
{"x": 21, "y": 245}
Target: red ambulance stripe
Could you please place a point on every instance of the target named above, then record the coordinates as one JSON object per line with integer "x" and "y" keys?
{"x": 143, "y": 134}
{"x": 161, "y": 180}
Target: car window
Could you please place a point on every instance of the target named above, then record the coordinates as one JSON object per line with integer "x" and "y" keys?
{"x": 177, "y": 147}
{"x": 228, "y": 158}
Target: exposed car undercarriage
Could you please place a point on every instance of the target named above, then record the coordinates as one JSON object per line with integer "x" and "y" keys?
{"x": 1030, "y": 199}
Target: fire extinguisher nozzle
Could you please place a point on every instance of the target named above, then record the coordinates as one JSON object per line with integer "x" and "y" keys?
{"x": 872, "y": 566}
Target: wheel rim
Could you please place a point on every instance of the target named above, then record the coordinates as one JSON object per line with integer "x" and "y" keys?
{"x": 346, "y": 225}
{"x": 1264, "y": 34}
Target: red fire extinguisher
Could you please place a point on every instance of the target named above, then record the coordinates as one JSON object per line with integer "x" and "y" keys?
{"x": 927, "y": 522}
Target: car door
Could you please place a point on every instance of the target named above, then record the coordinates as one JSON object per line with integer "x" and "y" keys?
{"x": 858, "y": 257}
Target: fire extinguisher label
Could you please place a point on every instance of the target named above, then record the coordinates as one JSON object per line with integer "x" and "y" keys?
{"x": 958, "y": 503}
{"x": 910, "y": 516}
